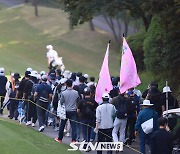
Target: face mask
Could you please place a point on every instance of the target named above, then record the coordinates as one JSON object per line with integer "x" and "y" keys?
{"x": 63, "y": 88}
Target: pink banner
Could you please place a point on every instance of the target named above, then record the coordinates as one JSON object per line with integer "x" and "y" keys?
{"x": 104, "y": 83}
{"x": 128, "y": 72}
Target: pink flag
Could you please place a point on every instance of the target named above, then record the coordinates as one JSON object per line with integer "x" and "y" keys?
{"x": 128, "y": 72}
{"x": 104, "y": 83}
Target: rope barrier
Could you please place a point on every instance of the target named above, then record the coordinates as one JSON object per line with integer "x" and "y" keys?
{"x": 70, "y": 120}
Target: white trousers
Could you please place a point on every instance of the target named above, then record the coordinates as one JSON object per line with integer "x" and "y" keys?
{"x": 119, "y": 125}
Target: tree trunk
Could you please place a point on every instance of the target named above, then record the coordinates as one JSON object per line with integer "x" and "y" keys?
{"x": 146, "y": 21}
{"x": 91, "y": 25}
{"x": 35, "y": 4}
{"x": 126, "y": 24}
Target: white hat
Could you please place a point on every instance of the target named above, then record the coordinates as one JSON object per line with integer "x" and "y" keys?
{"x": 166, "y": 89}
{"x": 49, "y": 47}
{"x": 147, "y": 103}
{"x": 34, "y": 74}
{"x": 44, "y": 77}
{"x": 42, "y": 73}
{"x": 67, "y": 74}
{"x": 63, "y": 80}
{"x": 105, "y": 95}
{"x": 29, "y": 69}
{"x": 86, "y": 76}
{"x": 1, "y": 71}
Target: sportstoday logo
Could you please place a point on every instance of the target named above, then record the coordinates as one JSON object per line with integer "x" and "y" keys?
{"x": 103, "y": 146}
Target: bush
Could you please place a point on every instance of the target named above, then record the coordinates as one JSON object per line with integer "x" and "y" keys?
{"x": 136, "y": 44}
{"x": 161, "y": 50}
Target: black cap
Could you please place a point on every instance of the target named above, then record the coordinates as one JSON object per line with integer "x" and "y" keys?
{"x": 27, "y": 74}
{"x": 87, "y": 91}
{"x": 16, "y": 76}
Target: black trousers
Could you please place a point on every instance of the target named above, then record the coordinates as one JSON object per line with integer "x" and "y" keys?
{"x": 14, "y": 109}
{"x": 130, "y": 129}
{"x": 41, "y": 112}
{"x": 2, "y": 100}
{"x": 31, "y": 112}
{"x": 105, "y": 135}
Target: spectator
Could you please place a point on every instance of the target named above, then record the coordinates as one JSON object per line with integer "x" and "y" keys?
{"x": 3, "y": 81}
{"x": 172, "y": 104}
{"x": 121, "y": 104}
{"x": 43, "y": 95}
{"x": 104, "y": 120}
{"x": 162, "y": 140}
{"x": 69, "y": 98}
{"x": 87, "y": 110}
{"x": 146, "y": 124}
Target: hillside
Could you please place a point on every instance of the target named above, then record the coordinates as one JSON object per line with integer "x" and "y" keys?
{"x": 24, "y": 38}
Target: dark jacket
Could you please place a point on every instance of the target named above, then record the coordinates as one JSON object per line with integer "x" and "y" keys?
{"x": 3, "y": 81}
{"x": 161, "y": 142}
{"x": 145, "y": 115}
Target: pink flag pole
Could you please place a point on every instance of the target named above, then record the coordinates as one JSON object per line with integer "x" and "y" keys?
{"x": 104, "y": 84}
{"x": 128, "y": 71}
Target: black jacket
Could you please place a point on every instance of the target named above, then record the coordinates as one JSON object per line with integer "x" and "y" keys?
{"x": 161, "y": 142}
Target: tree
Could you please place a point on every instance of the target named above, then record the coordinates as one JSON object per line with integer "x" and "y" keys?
{"x": 162, "y": 46}
{"x": 35, "y": 4}
{"x": 84, "y": 10}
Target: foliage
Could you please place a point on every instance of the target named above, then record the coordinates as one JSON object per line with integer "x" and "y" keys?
{"x": 81, "y": 11}
{"x": 161, "y": 47}
{"x": 136, "y": 44}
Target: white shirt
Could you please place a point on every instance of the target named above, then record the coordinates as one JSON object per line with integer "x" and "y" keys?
{"x": 52, "y": 55}
{"x": 104, "y": 115}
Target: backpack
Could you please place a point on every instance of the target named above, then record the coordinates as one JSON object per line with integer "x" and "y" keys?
{"x": 33, "y": 88}
{"x": 121, "y": 108}
{"x": 88, "y": 111}
{"x": 132, "y": 106}
{"x": 44, "y": 96}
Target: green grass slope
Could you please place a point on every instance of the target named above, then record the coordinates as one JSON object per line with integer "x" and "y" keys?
{"x": 24, "y": 38}
{"x": 19, "y": 139}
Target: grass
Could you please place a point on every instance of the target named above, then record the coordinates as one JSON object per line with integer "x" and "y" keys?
{"x": 24, "y": 38}
{"x": 19, "y": 139}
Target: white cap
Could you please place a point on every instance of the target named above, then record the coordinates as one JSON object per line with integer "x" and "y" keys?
{"x": 1, "y": 70}
{"x": 147, "y": 103}
{"x": 63, "y": 80}
{"x": 29, "y": 69}
{"x": 166, "y": 89}
{"x": 34, "y": 74}
{"x": 67, "y": 74}
{"x": 42, "y": 73}
{"x": 86, "y": 76}
{"x": 105, "y": 95}
{"x": 49, "y": 47}
{"x": 44, "y": 77}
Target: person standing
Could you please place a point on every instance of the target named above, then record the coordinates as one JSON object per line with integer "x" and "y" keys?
{"x": 172, "y": 104}
{"x": 146, "y": 124}
{"x": 3, "y": 81}
{"x": 13, "y": 102}
{"x": 87, "y": 110}
{"x": 28, "y": 93}
{"x": 69, "y": 98}
{"x": 162, "y": 140}
{"x": 121, "y": 104}
{"x": 133, "y": 111}
{"x": 104, "y": 121}
{"x": 43, "y": 95}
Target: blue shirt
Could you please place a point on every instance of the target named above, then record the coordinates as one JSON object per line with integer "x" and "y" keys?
{"x": 41, "y": 87}
{"x": 145, "y": 115}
